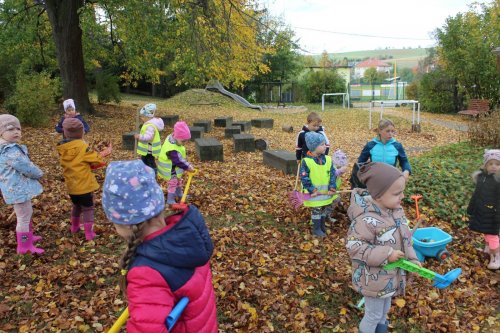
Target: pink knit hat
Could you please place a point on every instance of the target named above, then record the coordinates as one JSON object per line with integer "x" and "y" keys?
{"x": 492, "y": 154}
{"x": 181, "y": 131}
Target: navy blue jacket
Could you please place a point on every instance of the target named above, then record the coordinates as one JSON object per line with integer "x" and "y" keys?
{"x": 86, "y": 127}
{"x": 301, "y": 149}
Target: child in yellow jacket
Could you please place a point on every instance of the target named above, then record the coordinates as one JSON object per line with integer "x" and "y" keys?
{"x": 78, "y": 161}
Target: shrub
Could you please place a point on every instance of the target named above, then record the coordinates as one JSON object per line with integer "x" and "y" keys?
{"x": 317, "y": 83}
{"x": 107, "y": 87}
{"x": 437, "y": 92}
{"x": 33, "y": 99}
{"x": 485, "y": 131}
{"x": 442, "y": 176}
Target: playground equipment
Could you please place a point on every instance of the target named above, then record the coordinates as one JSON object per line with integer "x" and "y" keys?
{"x": 431, "y": 242}
{"x": 415, "y": 121}
{"x": 336, "y": 94}
{"x": 216, "y": 86}
{"x": 170, "y": 321}
{"x": 440, "y": 281}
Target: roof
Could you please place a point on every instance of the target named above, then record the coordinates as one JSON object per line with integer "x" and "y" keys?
{"x": 373, "y": 63}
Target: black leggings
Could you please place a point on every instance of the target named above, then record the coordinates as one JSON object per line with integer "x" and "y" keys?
{"x": 149, "y": 160}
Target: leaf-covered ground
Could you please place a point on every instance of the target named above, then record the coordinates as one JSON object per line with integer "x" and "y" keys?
{"x": 270, "y": 275}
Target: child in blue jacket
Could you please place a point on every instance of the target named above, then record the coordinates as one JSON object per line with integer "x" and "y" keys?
{"x": 19, "y": 182}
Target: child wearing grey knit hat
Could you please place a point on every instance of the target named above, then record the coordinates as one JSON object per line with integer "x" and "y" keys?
{"x": 318, "y": 177}
{"x": 378, "y": 234}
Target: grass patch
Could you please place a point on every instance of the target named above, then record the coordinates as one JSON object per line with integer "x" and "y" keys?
{"x": 442, "y": 176}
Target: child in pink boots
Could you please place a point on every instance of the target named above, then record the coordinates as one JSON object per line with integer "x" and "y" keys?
{"x": 172, "y": 160}
{"x": 78, "y": 161}
{"x": 19, "y": 182}
{"x": 484, "y": 206}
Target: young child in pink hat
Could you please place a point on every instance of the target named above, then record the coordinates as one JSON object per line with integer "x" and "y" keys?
{"x": 172, "y": 161}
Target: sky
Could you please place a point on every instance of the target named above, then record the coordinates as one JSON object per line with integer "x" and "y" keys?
{"x": 335, "y": 26}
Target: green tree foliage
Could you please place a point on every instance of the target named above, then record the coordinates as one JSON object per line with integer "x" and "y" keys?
{"x": 316, "y": 83}
{"x": 464, "y": 49}
{"x": 31, "y": 92}
{"x": 107, "y": 87}
{"x": 437, "y": 92}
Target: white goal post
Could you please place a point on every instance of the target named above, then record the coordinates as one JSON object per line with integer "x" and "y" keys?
{"x": 344, "y": 95}
{"x": 415, "y": 115}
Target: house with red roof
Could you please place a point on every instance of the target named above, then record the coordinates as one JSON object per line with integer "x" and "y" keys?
{"x": 360, "y": 68}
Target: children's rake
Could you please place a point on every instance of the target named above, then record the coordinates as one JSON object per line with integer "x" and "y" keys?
{"x": 295, "y": 197}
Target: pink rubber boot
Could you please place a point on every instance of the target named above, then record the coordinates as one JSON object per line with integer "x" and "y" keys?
{"x": 25, "y": 243}
{"x": 75, "y": 224}
{"x": 89, "y": 230}
{"x": 35, "y": 237}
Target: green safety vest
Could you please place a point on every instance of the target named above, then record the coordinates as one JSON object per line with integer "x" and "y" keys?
{"x": 164, "y": 162}
{"x": 320, "y": 178}
{"x": 143, "y": 147}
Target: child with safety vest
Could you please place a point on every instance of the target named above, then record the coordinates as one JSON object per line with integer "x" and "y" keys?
{"x": 172, "y": 161}
{"x": 318, "y": 178}
{"x": 149, "y": 141}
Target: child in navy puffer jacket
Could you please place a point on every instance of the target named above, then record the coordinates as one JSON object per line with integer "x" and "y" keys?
{"x": 166, "y": 258}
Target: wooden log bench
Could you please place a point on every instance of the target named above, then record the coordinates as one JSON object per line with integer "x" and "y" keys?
{"x": 476, "y": 108}
{"x": 244, "y": 142}
{"x": 206, "y": 124}
{"x": 282, "y": 160}
{"x": 223, "y": 121}
{"x": 196, "y": 132}
{"x": 209, "y": 149}
{"x": 170, "y": 119}
{"x": 230, "y": 131}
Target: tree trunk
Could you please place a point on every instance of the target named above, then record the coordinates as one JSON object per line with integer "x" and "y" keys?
{"x": 65, "y": 22}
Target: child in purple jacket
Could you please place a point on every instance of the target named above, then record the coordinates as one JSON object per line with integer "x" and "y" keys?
{"x": 70, "y": 112}
{"x": 172, "y": 160}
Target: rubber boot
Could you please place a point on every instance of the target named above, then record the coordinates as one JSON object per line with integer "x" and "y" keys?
{"x": 89, "y": 230}
{"x": 35, "y": 237}
{"x": 178, "y": 192}
{"x": 382, "y": 328}
{"x": 75, "y": 224}
{"x": 317, "y": 229}
{"x": 494, "y": 259}
{"x": 170, "y": 198}
{"x": 323, "y": 224}
{"x": 25, "y": 243}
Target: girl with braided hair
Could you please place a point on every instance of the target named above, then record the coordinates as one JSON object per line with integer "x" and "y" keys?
{"x": 167, "y": 257}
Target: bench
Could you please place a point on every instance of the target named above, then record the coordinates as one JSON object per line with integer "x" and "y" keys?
{"x": 477, "y": 107}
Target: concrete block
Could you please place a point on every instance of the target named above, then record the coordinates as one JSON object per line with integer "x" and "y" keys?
{"x": 196, "y": 132}
{"x": 261, "y": 144}
{"x": 128, "y": 141}
{"x": 244, "y": 125}
{"x": 223, "y": 121}
{"x": 209, "y": 149}
{"x": 244, "y": 142}
{"x": 170, "y": 119}
{"x": 263, "y": 123}
{"x": 282, "y": 160}
{"x": 231, "y": 130}
{"x": 206, "y": 124}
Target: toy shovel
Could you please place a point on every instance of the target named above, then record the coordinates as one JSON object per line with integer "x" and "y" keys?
{"x": 440, "y": 281}
{"x": 182, "y": 204}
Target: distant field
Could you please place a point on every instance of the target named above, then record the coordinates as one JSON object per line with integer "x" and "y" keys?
{"x": 405, "y": 58}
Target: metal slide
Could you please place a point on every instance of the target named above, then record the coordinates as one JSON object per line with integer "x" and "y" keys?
{"x": 215, "y": 85}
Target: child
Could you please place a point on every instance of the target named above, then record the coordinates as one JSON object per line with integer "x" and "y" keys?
{"x": 70, "y": 112}
{"x": 18, "y": 182}
{"x": 317, "y": 175}
{"x": 484, "y": 206}
{"x": 77, "y": 161}
{"x": 383, "y": 148}
{"x": 149, "y": 144}
{"x": 172, "y": 160}
{"x": 378, "y": 235}
{"x": 313, "y": 125}
{"x": 166, "y": 258}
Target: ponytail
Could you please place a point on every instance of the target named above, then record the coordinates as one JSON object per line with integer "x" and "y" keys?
{"x": 133, "y": 242}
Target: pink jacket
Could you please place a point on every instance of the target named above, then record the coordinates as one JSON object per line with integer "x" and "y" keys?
{"x": 170, "y": 264}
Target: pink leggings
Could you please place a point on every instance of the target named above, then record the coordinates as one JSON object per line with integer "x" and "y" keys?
{"x": 493, "y": 241}
{"x": 24, "y": 211}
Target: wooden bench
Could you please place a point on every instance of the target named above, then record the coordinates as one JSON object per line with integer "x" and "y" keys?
{"x": 477, "y": 107}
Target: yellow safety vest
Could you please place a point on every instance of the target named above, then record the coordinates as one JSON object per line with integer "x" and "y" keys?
{"x": 164, "y": 162}
{"x": 320, "y": 178}
{"x": 143, "y": 147}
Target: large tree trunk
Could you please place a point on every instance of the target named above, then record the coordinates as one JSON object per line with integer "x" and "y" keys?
{"x": 65, "y": 22}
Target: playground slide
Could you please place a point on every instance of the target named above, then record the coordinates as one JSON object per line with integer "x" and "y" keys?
{"x": 217, "y": 86}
